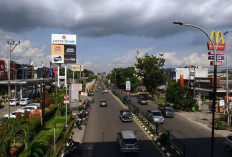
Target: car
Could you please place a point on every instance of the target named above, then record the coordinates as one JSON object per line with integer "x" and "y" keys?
{"x": 90, "y": 93}
{"x": 127, "y": 141}
{"x": 167, "y": 112}
{"x": 103, "y": 103}
{"x": 127, "y": 98}
{"x": 105, "y": 91}
{"x": 155, "y": 116}
{"x": 29, "y": 108}
{"x": 142, "y": 101}
{"x": 34, "y": 104}
{"x": 125, "y": 115}
{"x": 56, "y": 59}
{"x": 14, "y": 102}
{"x": 25, "y": 101}
{"x": 228, "y": 143}
{"x": 13, "y": 114}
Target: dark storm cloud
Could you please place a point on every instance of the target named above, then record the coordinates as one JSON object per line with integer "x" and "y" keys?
{"x": 147, "y": 18}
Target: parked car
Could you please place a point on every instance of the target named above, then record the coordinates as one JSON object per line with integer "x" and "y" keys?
{"x": 103, "y": 103}
{"x": 228, "y": 143}
{"x": 127, "y": 141}
{"x": 155, "y": 116}
{"x": 29, "y": 108}
{"x": 25, "y": 101}
{"x": 13, "y": 114}
{"x": 167, "y": 112}
{"x": 34, "y": 104}
{"x": 142, "y": 101}
{"x": 14, "y": 102}
{"x": 125, "y": 115}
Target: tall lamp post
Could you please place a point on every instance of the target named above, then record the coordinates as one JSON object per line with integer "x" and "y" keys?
{"x": 12, "y": 44}
{"x": 215, "y": 76}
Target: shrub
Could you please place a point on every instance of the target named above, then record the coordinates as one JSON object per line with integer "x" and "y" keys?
{"x": 35, "y": 124}
{"x": 26, "y": 115}
{"x": 39, "y": 148}
{"x": 19, "y": 117}
{"x": 48, "y": 101}
{"x": 50, "y": 111}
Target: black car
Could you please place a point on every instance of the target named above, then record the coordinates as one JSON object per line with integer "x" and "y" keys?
{"x": 126, "y": 115}
{"x": 103, "y": 103}
{"x": 56, "y": 59}
{"x": 127, "y": 98}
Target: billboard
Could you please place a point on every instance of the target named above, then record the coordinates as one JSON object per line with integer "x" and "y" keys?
{"x": 57, "y": 53}
{"x": 65, "y": 39}
{"x": 2, "y": 65}
{"x": 77, "y": 67}
{"x": 70, "y": 54}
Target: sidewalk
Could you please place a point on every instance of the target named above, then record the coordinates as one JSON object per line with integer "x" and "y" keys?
{"x": 203, "y": 119}
{"x": 79, "y": 134}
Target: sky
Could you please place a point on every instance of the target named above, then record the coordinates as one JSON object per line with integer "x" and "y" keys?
{"x": 109, "y": 31}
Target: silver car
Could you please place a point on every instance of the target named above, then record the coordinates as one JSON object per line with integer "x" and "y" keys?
{"x": 128, "y": 141}
{"x": 228, "y": 143}
{"x": 155, "y": 116}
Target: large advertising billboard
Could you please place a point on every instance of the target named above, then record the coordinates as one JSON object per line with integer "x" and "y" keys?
{"x": 70, "y": 54}
{"x": 63, "y": 48}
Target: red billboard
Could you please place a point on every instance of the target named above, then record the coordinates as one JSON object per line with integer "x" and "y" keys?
{"x": 219, "y": 47}
{"x": 2, "y": 65}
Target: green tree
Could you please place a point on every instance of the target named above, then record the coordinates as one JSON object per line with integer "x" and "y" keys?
{"x": 150, "y": 72}
{"x": 176, "y": 94}
{"x": 120, "y": 75}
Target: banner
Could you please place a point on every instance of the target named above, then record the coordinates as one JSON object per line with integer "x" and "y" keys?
{"x": 77, "y": 67}
{"x": 63, "y": 39}
{"x": 70, "y": 54}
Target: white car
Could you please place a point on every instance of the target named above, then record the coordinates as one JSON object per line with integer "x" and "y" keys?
{"x": 34, "y": 104}
{"x": 14, "y": 102}
{"x": 25, "y": 101}
{"x": 29, "y": 108}
{"x": 13, "y": 114}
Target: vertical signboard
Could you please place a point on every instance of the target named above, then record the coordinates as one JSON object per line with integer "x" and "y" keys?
{"x": 63, "y": 48}
{"x": 70, "y": 54}
{"x": 57, "y": 53}
{"x": 128, "y": 85}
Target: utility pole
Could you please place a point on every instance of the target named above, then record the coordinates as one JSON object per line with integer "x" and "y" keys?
{"x": 14, "y": 44}
{"x": 194, "y": 83}
{"x": 227, "y": 95}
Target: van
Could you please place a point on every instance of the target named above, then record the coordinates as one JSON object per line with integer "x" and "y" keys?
{"x": 128, "y": 141}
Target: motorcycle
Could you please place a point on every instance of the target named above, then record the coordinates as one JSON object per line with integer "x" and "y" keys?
{"x": 78, "y": 123}
{"x": 72, "y": 148}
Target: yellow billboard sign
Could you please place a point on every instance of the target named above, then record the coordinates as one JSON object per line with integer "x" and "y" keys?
{"x": 57, "y": 49}
{"x": 77, "y": 67}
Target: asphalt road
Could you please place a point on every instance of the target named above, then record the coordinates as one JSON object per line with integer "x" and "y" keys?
{"x": 196, "y": 138}
{"x": 103, "y": 126}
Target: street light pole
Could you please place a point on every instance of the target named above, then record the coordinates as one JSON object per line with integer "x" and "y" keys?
{"x": 14, "y": 44}
{"x": 215, "y": 77}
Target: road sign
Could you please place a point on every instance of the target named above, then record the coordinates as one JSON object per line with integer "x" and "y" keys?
{"x": 66, "y": 97}
{"x": 77, "y": 87}
{"x": 218, "y": 63}
{"x": 218, "y": 57}
{"x": 128, "y": 85}
{"x": 66, "y": 101}
{"x": 217, "y": 53}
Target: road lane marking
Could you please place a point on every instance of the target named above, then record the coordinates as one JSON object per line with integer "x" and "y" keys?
{"x": 123, "y": 106}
